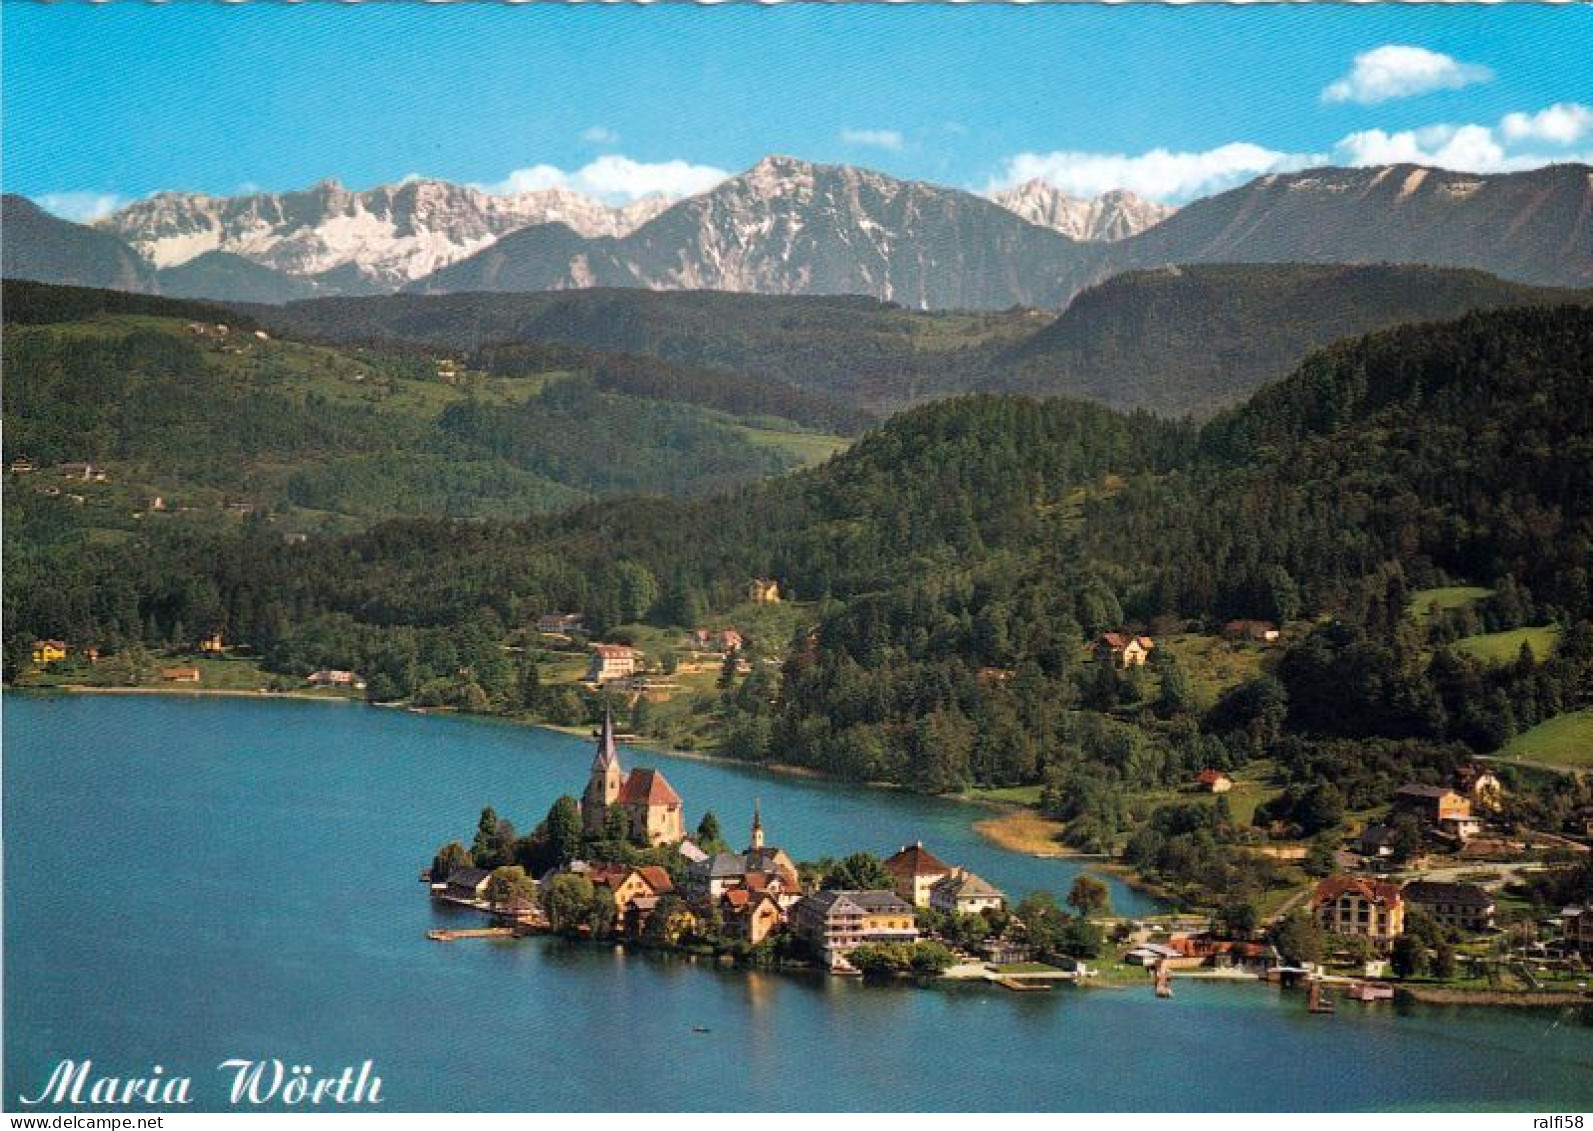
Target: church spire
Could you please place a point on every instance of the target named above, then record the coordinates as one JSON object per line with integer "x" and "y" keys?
{"x": 757, "y": 825}
{"x": 606, "y": 754}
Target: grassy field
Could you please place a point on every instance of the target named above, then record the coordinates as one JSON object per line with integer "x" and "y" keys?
{"x": 1423, "y": 601}
{"x": 808, "y": 448}
{"x": 1504, "y": 647}
{"x": 1214, "y": 665}
{"x": 1565, "y": 740}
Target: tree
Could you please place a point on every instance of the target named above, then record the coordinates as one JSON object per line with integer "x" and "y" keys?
{"x": 1298, "y": 939}
{"x": 1043, "y": 921}
{"x": 567, "y": 899}
{"x": 510, "y": 889}
{"x": 1408, "y": 957}
{"x": 1177, "y": 695}
{"x": 616, "y": 826}
{"x": 671, "y": 919}
{"x": 1081, "y": 938}
{"x": 710, "y": 838}
{"x": 861, "y": 871}
{"x": 1089, "y": 896}
{"x": 1406, "y": 841}
{"x": 485, "y": 848}
{"x": 1321, "y": 857}
{"x": 1238, "y": 919}
{"x": 564, "y": 829}
{"x": 930, "y": 959}
{"x": 450, "y": 857}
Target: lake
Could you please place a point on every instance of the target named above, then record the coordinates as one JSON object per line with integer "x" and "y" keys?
{"x": 189, "y": 880}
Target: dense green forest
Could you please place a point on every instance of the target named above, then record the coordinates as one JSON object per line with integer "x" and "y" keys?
{"x": 186, "y": 402}
{"x": 1124, "y": 343}
{"x": 959, "y": 559}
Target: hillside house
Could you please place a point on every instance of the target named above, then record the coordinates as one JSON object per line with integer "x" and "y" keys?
{"x": 22, "y": 465}
{"x": 1576, "y": 928}
{"x": 915, "y": 871}
{"x": 1433, "y": 804}
{"x": 1356, "y": 905}
{"x": 180, "y": 675}
{"x": 763, "y": 591}
{"x": 835, "y": 923}
{"x": 335, "y": 677}
{"x": 1481, "y": 786}
{"x": 1123, "y": 650}
{"x": 1213, "y": 781}
{"x": 1464, "y": 907}
{"x": 49, "y": 651}
{"x": 213, "y": 644}
{"x": 612, "y": 661}
{"x": 635, "y": 891}
{"x": 725, "y": 641}
{"x": 1252, "y": 631}
{"x": 560, "y": 624}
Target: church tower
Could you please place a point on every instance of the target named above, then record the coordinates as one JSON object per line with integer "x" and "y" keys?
{"x": 603, "y": 784}
{"x": 757, "y": 827}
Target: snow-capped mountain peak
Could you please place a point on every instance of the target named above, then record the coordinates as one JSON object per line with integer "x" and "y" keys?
{"x": 1114, "y": 215}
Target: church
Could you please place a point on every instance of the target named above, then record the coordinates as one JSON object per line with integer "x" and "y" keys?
{"x": 651, "y": 806}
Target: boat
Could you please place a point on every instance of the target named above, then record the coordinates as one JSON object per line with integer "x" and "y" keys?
{"x": 1318, "y": 1002}
{"x": 1369, "y": 991}
{"x": 701, "y": 1029}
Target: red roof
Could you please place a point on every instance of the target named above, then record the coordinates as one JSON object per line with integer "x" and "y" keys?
{"x": 614, "y": 651}
{"x": 916, "y": 860}
{"x": 647, "y": 787}
{"x": 1211, "y": 777}
{"x": 657, "y": 879}
{"x": 1376, "y": 891}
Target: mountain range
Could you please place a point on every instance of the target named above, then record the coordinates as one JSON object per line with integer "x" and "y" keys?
{"x": 791, "y": 227}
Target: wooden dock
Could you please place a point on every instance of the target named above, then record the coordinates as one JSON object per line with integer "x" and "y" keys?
{"x": 473, "y": 933}
{"x": 1023, "y": 985}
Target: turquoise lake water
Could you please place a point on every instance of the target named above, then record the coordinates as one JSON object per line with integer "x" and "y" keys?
{"x": 192, "y": 880}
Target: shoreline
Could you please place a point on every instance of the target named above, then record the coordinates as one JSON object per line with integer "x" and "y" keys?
{"x": 193, "y": 692}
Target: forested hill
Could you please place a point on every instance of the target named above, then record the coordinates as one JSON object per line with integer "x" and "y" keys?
{"x": 963, "y": 554}
{"x": 1195, "y": 339}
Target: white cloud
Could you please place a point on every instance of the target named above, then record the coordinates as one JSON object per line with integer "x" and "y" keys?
{"x": 80, "y": 206}
{"x": 599, "y": 135}
{"x": 1520, "y": 141}
{"x": 1564, "y": 123}
{"x": 1159, "y": 174}
{"x": 877, "y": 139}
{"x": 614, "y": 178}
{"x": 1400, "y": 72}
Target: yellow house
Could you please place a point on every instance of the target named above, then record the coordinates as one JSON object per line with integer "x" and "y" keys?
{"x": 49, "y": 651}
{"x": 763, "y": 591}
{"x": 1353, "y": 905}
{"x": 213, "y": 644}
{"x": 914, "y": 871}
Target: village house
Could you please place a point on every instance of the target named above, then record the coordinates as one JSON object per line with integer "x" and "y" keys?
{"x": 1125, "y": 651}
{"x": 651, "y": 807}
{"x": 180, "y": 674}
{"x": 1432, "y": 803}
{"x": 725, "y": 641}
{"x": 763, "y": 591}
{"x": 761, "y": 869}
{"x": 1213, "y": 781}
{"x": 1222, "y": 954}
{"x": 22, "y": 465}
{"x": 751, "y": 915}
{"x": 635, "y": 891}
{"x": 1376, "y": 842}
{"x": 213, "y": 644}
{"x": 560, "y": 624}
{"x": 612, "y": 661}
{"x": 1255, "y": 631}
{"x": 1464, "y": 907}
{"x": 914, "y": 872}
{"x": 835, "y": 923}
{"x": 963, "y": 893}
{"x": 1576, "y": 928}
{"x": 49, "y": 651}
{"x": 335, "y": 677}
{"x": 86, "y": 472}
{"x": 1356, "y": 905}
{"x": 467, "y": 885}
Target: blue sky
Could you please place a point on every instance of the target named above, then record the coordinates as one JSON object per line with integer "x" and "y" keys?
{"x": 107, "y": 103}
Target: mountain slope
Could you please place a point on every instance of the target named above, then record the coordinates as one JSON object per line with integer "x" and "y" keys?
{"x": 791, "y": 227}
{"x": 1534, "y": 226}
{"x": 43, "y": 247}
{"x": 1114, "y": 215}
{"x": 226, "y": 277}
{"x": 1197, "y": 338}
{"x": 387, "y": 236}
